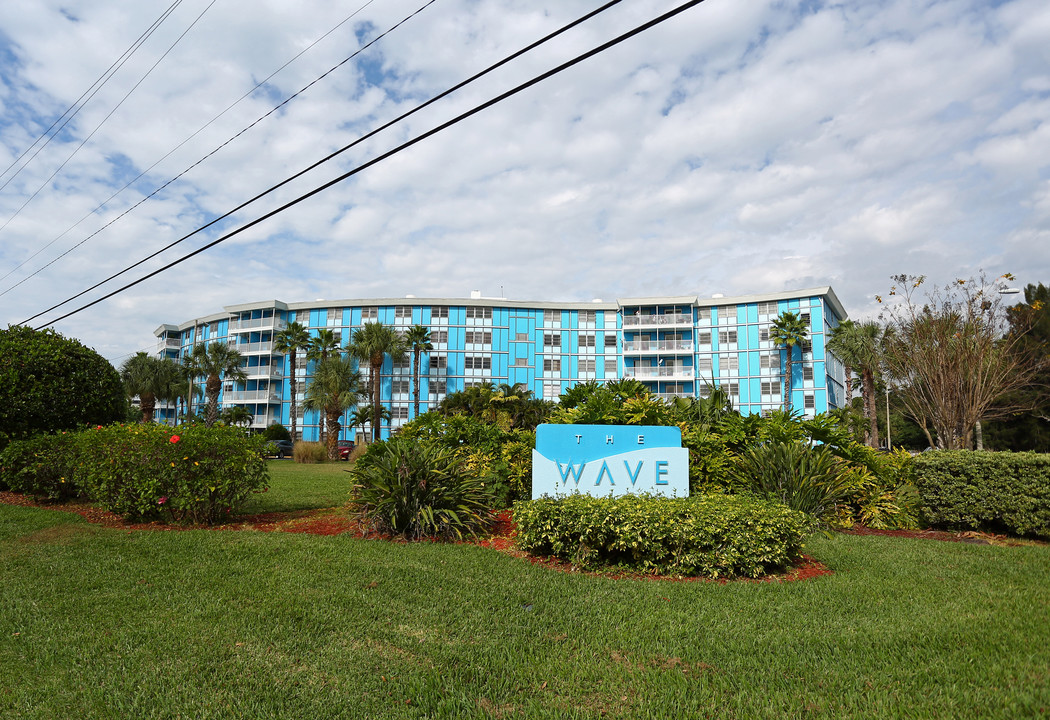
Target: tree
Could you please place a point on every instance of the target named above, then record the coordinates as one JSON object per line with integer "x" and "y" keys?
{"x": 151, "y": 379}
{"x": 954, "y": 357}
{"x": 418, "y": 340}
{"x": 371, "y": 343}
{"x": 50, "y": 383}
{"x": 788, "y": 331}
{"x": 362, "y": 416}
{"x": 321, "y": 346}
{"x": 336, "y": 388}
{"x": 213, "y": 363}
{"x": 237, "y": 415}
{"x": 289, "y": 341}
{"x": 843, "y": 343}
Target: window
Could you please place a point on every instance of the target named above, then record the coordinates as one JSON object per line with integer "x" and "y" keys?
{"x": 399, "y": 412}
{"x": 552, "y": 339}
{"x": 805, "y": 318}
{"x": 610, "y": 367}
{"x": 587, "y": 365}
{"x": 439, "y": 313}
{"x": 610, "y": 319}
{"x": 403, "y": 312}
{"x": 763, "y": 334}
{"x": 213, "y": 329}
{"x": 810, "y": 402}
{"x": 479, "y": 313}
{"x": 520, "y": 362}
{"x": 369, "y": 313}
{"x": 552, "y": 318}
{"x": 726, "y": 337}
{"x": 587, "y": 317}
{"x": 479, "y": 337}
{"x": 704, "y": 338}
{"x": 807, "y": 372}
{"x": 404, "y": 363}
{"x": 705, "y": 363}
{"x": 729, "y": 362}
{"x": 521, "y": 337}
{"x": 438, "y": 362}
{"x": 437, "y": 387}
{"x": 586, "y": 340}
{"x": 438, "y": 336}
{"x": 477, "y": 362}
{"x": 610, "y": 341}
{"x": 767, "y": 308}
{"x": 335, "y": 316}
{"x": 552, "y": 365}
{"x": 400, "y": 387}
{"x": 551, "y": 390}
{"x": 770, "y": 387}
{"x": 732, "y": 388}
{"x": 769, "y": 361}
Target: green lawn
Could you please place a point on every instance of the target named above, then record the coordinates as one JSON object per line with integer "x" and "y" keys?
{"x": 295, "y": 486}
{"x": 100, "y": 623}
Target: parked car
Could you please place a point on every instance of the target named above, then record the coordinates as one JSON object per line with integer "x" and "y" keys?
{"x": 284, "y": 448}
{"x": 345, "y": 448}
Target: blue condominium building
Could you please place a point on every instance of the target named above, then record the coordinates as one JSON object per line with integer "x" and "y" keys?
{"x": 678, "y": 346}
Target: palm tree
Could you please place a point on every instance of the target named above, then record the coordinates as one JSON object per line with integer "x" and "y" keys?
{"x": 185, "y": 391}
{"x": 788, "y": 330}
{"x": 868, "y": 359}
{"x": 213, "y": 362}
{"x": 237, "y": 415}
{"x": 151, "y": 378}
{"x": 371, "y": 343}
{"x": 418, "y": 340}
{"x": 289, "y": 341}
{"x": 321, "y": 346}
{"x": 843, "y": 343}
{"x": 335, "y": 389}
{"x": 363, "y": 416}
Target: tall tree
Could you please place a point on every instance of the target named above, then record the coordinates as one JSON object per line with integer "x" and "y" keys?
{"x": 417, "y": 338}
{"x": 372, "y": 342}
{"x": 289, "y": 341}
{"x": 323, "y": 344}
{"x": 362, "y": 416}
{"x": 789, "y": 331}
{"x": 215, "y": 362}
{"x": 954, "y": 357}
{"x": 843, "y": 343}
{"x": 151, "y": 379}
{"x": 336, "y": 388}
{"x": 869, "y": 342}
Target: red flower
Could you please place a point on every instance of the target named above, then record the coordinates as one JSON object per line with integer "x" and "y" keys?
{"x": 174, "y": 438}
{"x": 162, "y": 500}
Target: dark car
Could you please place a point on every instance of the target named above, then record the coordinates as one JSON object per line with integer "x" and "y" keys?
{"x": 345, "y": 448}
{"x": 282, "y": 448}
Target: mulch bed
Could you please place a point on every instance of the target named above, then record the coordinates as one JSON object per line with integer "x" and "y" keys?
{"x": 337, "y": 521}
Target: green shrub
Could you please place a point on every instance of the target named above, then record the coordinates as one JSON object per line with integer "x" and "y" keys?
{"x": 192, "y": 473}
{"x": 962, "y": 489}
{"x": 707, "y": 535}
{"x": 49, "y": 383}
{"x": 276, "y": 431}
{"x": 310, "y": 452}
{"x": 41, "y": 466}
{"x": 415, "y": 489}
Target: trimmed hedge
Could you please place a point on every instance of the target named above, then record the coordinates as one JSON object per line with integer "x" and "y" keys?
{"x": 962, "y": 489}
{"x": 190, "y": 474}
{"x": 707, "y": 535}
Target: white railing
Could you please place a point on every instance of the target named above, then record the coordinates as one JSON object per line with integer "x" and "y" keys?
{"x": 249, "y": 396}
{"x": 672, "y": 371}
{"x": 270, "y": 323}
{"x": 264, "y": 371}
{"x": 169, "y": 343}
{"x": 657, "y": 320}
{"x": 258, "y": 347}
{"x": 631, "y": 346}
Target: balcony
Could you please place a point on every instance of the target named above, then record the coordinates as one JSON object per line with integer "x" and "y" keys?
{"x": 658, "y": 346}
{"x": 668, "y": 372}
{"x": 257, "y": 348}
{"x": 665, "y": 320}
{"x": 270, "y": 323}
{"x": 168, "y": 344}
{"x": 251, "y": 396}
{"x": 264, "y": 371}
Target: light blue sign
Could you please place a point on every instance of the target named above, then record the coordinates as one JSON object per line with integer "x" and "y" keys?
{"x": 609, "y": 460}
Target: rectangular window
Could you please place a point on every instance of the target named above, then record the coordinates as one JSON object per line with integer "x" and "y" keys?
{"x": 552, "y": 339}
{"x": 552, "y": 318}
{"x": 732, "y": 388}
{"x": 770, "y": 387}
{"x": 438, "y": 362}
{"x": 520, "y": 362}
{"x": 726, "y": 337}
{"x": 437, "y": 387}
{"x": 587, "y": 317}
{"x": 769, "y": 361}
{"x": 763, "y": 334}
{"x": 369, "y": 313}
{"x": 551, "y": 390}
{"x": 438, "y": 313}
{"x": 805, "y": 318}
{"x": 403, "y": 312}
{"x": 335, "y": 316}
{"x": 400, "y": 387}
{"x": 729, "y": 362}
{"x": 521, "y": 337}
{"x": 586, "y": 340}
{"x": 767, "y": 308}
{"x": 610, "y": 367}
{"x": 807, "y": 372}
{"x": 399, "y": 412}
{"x": 477, "y": 362}
{"x": 704, "y": 363}
{"x": 610, "y": 319}
{"x": 810, "y": 401}
{"x": 438, "y": 337}
{"x": 478, "y": 337}
{"x": 610, "y": 341}
{"x": 552, "y": 365}
{"x": 587, "y": 365}
{"x": 479, "y": 313}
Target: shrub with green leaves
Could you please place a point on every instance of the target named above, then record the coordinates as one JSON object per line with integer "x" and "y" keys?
{"x": 416, "y": 489}
{"x": 41, "y": 466}
{"x": 192, "y": 473}
{"x": 706, "y": 535}
{"x": 966, "y": 490}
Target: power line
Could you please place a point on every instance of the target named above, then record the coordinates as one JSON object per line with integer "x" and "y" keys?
{"x": 360, "y": 168}
{"x": 108, "y": 116}
{"x": 85, "y": 96}
{"x": 325, "y": 159}
{"x": 166, "y": 156}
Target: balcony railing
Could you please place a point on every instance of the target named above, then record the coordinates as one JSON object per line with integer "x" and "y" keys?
{"x": 264, "y": 371}
{"x": 169, "y": 343}
{"x": 674, "y": 346}
{"x": 251, "y": 396}
{"x": 270, "y": 323}
{"x": 657, "y": 320}
{"x": 252, "y": 348}
{"x": 672, "y": 371}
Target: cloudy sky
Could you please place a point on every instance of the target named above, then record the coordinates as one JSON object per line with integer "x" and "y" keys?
{"x": 744, "y": 146}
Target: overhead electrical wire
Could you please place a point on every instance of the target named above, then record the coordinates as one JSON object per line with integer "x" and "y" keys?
{"x": 108, "y": 116}
{"x": 403, "y": 146}
{"x": 85, "y": 97}
{"x": 167, "y": 155}
{"x": 358, "y": 141}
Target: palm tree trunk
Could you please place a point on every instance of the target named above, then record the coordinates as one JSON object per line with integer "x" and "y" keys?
{"x": 849, "y": 385}
{"x": 787, "y": 379}
{"x": 331, "y": 418}
{"x": 870, "y": 407}
{"x": 294, "y": 388}
{"x": 212, "y": 388}
{"x": 415, "y": 382}
{"x": 376, "y": 396}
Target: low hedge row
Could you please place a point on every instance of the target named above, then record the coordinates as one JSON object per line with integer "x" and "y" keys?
{"x": 705, "y": 535}
{"x": 1001, "y": 491}
{"x": 189, "y": 474}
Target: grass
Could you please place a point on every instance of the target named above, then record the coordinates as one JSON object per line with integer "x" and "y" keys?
{"x": 295, "y": 486}
{"x": 101, "y": 623}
